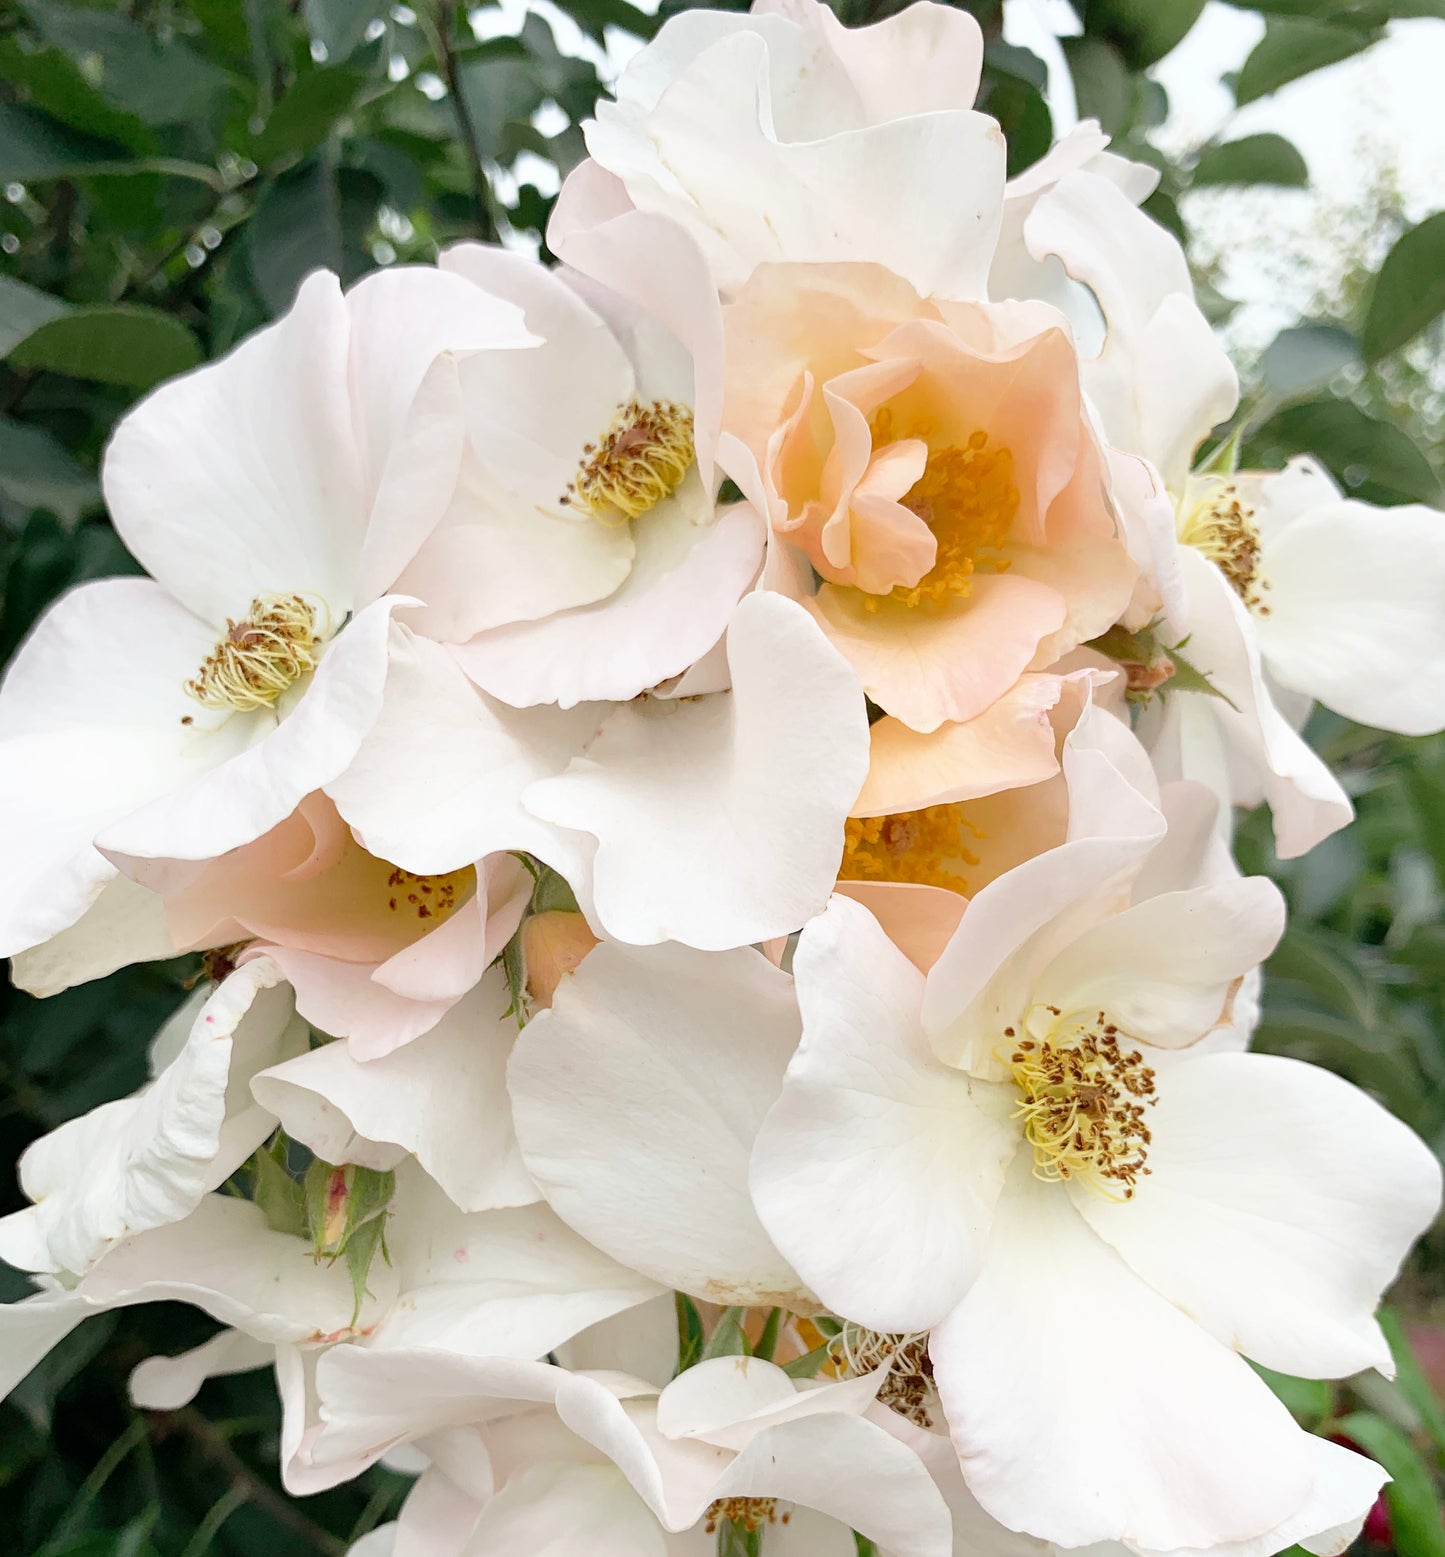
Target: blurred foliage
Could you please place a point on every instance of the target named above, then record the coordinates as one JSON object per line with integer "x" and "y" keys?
{"x": 170, "y": 171}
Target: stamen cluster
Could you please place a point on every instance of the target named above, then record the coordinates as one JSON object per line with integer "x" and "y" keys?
{"x": 640, "y": 460}
{"x": 262, "y": 656}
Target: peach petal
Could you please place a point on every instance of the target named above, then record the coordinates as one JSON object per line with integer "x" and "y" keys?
{"x": 919, "y": 920}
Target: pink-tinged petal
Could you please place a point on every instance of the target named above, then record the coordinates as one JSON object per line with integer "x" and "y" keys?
{"x": 1008, "y": 745}
{"x": 1184, "y": 1447}
{"x": 1306, "y": 1194}
{"x": 636, "y": 1099}
{"x": 442, "y": 1098}
{"x": 259, "y": 787}
{"x": 438, "y": 783}
{"x": 343, "y": 999}
{"x": 720, "y": 822}
{"x": 589, "y": 196}
{"x": 243, "y": 477}
{"x": 931, "y": 667}
{"x": 920, "y": 920}
{"x": 876, "y": 1170}
{"x": 686, "y": 579}
{"x": 147, "y": 1160}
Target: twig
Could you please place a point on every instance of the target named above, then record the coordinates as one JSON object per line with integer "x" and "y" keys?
{"x": 443, "y": 37}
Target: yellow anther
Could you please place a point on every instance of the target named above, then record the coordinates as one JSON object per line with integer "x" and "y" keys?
{"x": 640, "y": 460}
{"x": 967, "y": 497}
{"x": 1082, "y": 1101}
{"x": 259, "y": 658}
{"x": 924, "y": 847}
{"x": 1218, "y": 524}
{"x": 429, "y": 897}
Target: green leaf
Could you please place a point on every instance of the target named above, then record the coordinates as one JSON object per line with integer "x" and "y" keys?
{"x": 124, "y": 344}
{"x": 1410, "y": 1495}
{"x": 159, "y": 82}
{"x": 1293, "y": 47}
{"x": 280, "y": 1197}
{"x": 1143, "y": 30}
{"x": 1253, "y": 159}
{"x": 296, "y": 228}
{"x": 23, "y": 309}
{"x": 339, "y": 26}
{"x": 1409, "y": 292}
{"x": 37, "y": 471}
{"x": 33, "y": 147}
{"x": 806, "y": 1366}
{"x": 1306, "y": 359}
{"x": 47, "y": 78}
{"x": 1021, "y": 110}
{"x": 1410, "y": 1380}
{"x": 1373, "y": 459}
{"x": 1103, "y": 86}
{"x": 308, "y": 112}
{"x": 1308, "y": 1400}
{"x": 689, "y": 1332}
{"x": 727, "y": 1338}
{"x": 768, "y": 1341}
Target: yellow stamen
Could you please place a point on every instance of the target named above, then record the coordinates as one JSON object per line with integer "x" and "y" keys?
{"x": 1083, "y": 1102}
{"x": 1222, "y": 527}
{"x": 908, "y": 1385}
{"x": 640, "y": 460}
{"x": 749, "y": 1513}
{"x": 924, "y": 847}
{"x": 967, "y": 497}
{"x": 429, "y": 897}
{"x": 261, "y": 657}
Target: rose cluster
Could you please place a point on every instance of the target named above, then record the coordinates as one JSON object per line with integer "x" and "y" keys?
{"x": 701, "y": 781}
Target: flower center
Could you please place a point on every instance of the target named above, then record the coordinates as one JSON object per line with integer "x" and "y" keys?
{"x": 922, "y": 847}
{"x": 429, "y": 897}
{"x": 640, "y": 460}
{"x": 748, "y": 1513}
{"x": 967, "y": 497}
{"x": 277, "y": 644}
{"x": 1221, "y": 527}
{"x": 1082, "y": 1103}
{"x": 909, "y": 1382}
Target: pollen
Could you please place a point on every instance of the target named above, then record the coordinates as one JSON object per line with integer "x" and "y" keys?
{"x": 639, "y": 461}
{"x": 428, "y": 897}
{"x": 1083, "y": 1102}
{"x": 967, "y": 497}
{"x": 908, "y": 1386}
{"x": 746, "y": 1513}
{"x": 927, "y": 848}
{"x": 1222, "y": 527}
{"x": 277, "y": 644}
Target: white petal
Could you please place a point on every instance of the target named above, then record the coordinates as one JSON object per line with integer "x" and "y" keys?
{"x": 442, "y": 1097}
{"x": 242, "y": 478}
{"x": 1356, "y": 613}
{"x": 509, "y": 1283}
{"x": 225, "y": 1259}
{"x": 143, "y": 1161}
{"x": 408, "y": 325}
{"x": 1166, "y": 969}
{"x": 728, "y": 1401}
{"x": 1279, "y": 1205}
{"x": 437, "y": 784}
{"x": 637, "y": 1098}
{"x": 125, "y": 924}
{"x": 876, "y": 1170}
{"x": 32, "y": 1327}
{"x": 1345, "y": 1487}
{"x": 1246, "y": 752}
{"x": 685, "y": 582}
{"x": 168, "y": 1383}
{"x": 91, "y": 715}
{"x": 553, "y": 1510}
{"x": 257, "y": 789}
{"x": 1084, "y": 1407}
{"x": 720, "y": 822}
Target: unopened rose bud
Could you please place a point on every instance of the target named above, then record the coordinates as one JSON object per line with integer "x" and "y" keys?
{"x": 553, "y": 944}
